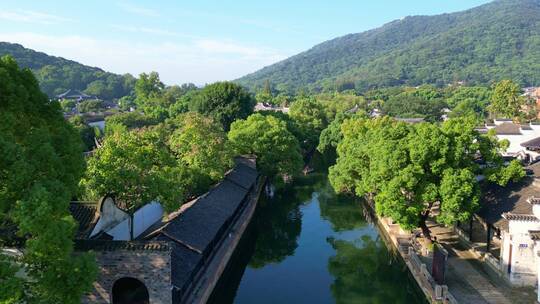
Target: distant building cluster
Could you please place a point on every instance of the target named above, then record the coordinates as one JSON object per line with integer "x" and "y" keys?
{"x": 523, "y": 139}
{"x": 261, "y": 106}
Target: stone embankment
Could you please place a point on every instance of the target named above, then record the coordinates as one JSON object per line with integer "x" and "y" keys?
{"x": 403, "y": 243}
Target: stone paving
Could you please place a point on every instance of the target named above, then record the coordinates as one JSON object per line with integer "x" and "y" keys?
{"x": 469, "y": 281}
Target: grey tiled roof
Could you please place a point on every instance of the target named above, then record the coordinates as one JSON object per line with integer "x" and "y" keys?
{"x": 533, "y": 200}
{"x": 199, "y": 225}
{"x": 535, "y": 235}
{"x": 194, "y": 232}
{"x": 513, "y": 198}
{"x": 508, "y": 128}
{"x": 242, "y": 175}
{"x": 85, "y": 215}
{"x": 73, "y": 94}
{"x": 533, "y": 143}
{"x": 185, "y": 264}
{"x": 520, "y": 217}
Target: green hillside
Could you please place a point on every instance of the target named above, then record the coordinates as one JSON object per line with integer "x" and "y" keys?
{"x": 56, "y": 74}
{"x": 491, "y": 42}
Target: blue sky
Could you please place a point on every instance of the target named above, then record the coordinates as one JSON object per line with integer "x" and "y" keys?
{"x": 196, "y": 41}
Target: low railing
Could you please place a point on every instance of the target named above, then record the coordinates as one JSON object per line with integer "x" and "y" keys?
{"x": 438, "y": 293}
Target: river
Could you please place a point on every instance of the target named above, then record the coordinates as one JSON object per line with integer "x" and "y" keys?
{"x": 308, "y": 245}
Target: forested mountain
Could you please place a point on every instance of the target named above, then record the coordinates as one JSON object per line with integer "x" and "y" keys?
{"x": 491, "y": 42}
{"x": 56, "y": 74}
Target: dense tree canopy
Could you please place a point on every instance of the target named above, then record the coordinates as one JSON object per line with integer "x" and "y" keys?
{"x": 425, "y": 102}
{"x": 507, "y": 100}
{"x": 127, "y": 121}
{"x": 310, "y": 117}
{"x": 335, "y": 103}
{"x": 141, "y": 160}
{"x": 223, "y": 101}
{"x": 469, "y": 101}
{"x": 137, "y": 168}
{"x": 200, "y": 143}
{"x": 331, "y": 136}
{"x": 149, "y": 96}
{"x": 86, "y": 133}
{"x": 409, "y": 169}
{"x": 267, "y": 137}
{"x": 40, "y": 165}
{"x": 92, "y": 105}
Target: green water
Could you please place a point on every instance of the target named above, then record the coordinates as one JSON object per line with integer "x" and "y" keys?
{"x": 307, "y": 245}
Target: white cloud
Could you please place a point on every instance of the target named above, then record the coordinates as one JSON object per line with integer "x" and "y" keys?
{"x": 31, "y": 17}
{"x": 138, "y": 10}
{"x": 217, "y": 46}
{"x": 150, "y": 30}
{"x": 197, "y": 60}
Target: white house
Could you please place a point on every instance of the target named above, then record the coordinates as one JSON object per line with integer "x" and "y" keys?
{"x": 512, "y": 215}
{"x": 116, "y": 224}
{"x": 524, "y": 140}
{"x": 520, "y": 251}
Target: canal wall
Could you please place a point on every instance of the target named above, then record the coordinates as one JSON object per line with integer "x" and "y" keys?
{"x": 205, "y": 284}
{"x": 402, "y": 242}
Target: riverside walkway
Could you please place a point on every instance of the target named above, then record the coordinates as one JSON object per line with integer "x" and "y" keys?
{"x": 469, "y": 280}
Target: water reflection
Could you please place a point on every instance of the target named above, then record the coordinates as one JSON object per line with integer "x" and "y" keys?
{"x": 308, "y": 245}
{"x": 278, "y": 229}
{"x": 344, "y": 213}
{"x": 366, "y": 272}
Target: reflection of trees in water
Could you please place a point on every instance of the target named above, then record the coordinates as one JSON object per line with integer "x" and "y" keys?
{"x": 366, "y": 272}
{"x": 343, "y": 212}
{"x": 279, "y": 220}
{"x": 278, "y": 224}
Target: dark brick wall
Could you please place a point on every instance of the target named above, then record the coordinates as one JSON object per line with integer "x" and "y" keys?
{"x": 150, "y": 267}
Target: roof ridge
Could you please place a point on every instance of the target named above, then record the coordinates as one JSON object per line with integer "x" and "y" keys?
{"x": 520, "y": 216}
{"x": 533, "y": 200}
{"x": 84, "y": 202}
{"x": 181, "y": 243}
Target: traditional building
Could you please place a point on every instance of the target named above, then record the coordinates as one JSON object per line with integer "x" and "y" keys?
{"x": 74, "y": 95}
{"x": 523, "y": 139}
{"x": 263, "y": 106}
{"x": 148, "y": 257}
{"x": 512, "y": 217}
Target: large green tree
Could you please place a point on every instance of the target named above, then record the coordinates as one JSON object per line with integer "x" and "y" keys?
{"x": 86, "y": 132}
{"x": 201, "y": 144}
{"x": 149, "y": 96}
{"x": 309, "y": 114}
{"x": 223, "y": 101}
{"x": 507, "y": 100}
{"x": 332, "y": 135}
{"x": 425, "y": 102}
{"x": 41, "y": 163}
{"x": 267, "y": 137}
{"x": 411, "y": 169}
{"x": 137, "y": 167}
{"x": 127, "y": 121}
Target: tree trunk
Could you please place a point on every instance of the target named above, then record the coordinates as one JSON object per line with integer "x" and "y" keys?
{"x": 425, "y": 230}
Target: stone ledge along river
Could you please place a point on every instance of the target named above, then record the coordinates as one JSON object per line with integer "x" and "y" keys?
{"x": 308, "y": 245}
